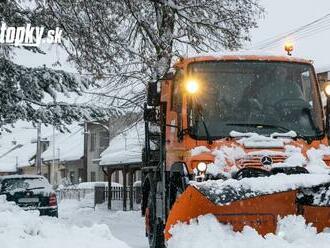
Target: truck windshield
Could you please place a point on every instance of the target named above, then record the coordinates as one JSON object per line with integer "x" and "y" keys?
{"x": 254, "y": 96}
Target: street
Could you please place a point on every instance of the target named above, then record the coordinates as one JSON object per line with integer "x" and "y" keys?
{"x": 125, "y": 226}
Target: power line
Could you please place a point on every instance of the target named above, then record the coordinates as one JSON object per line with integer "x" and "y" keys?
{"x": 307, "y": 30}
{"x": 309, "y": 26}
{"x": 301, "y": 36}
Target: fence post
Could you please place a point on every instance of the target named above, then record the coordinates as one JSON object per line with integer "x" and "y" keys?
{"x": 109, "y": 188}
{"x": 99, "y": 194}
{"x": 124, "y": 189}
{"x": 130, "y": 173}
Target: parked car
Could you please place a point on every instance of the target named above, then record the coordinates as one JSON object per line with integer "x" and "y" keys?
{"x": 30, "y": 192}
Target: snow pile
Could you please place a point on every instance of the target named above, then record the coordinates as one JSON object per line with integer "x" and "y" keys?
{"x": 91, "y": 185}
{"x": 227, "y": 158}
{"x": 27, "y": 229}
{"x": 199, "y": 150}
{"x": 254, "y": 140}
{"x": 225, "y": 191}
{"x": 206, "y": 231}
{"x": 224, "y": 160}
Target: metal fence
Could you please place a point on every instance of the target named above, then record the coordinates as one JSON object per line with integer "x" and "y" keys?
{"x": 117, "y": 193}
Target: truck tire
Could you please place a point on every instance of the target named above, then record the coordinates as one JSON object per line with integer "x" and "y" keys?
{"x": 155, "y": 226}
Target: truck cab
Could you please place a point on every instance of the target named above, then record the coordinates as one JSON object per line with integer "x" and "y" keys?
{"x": 227, "y": 116}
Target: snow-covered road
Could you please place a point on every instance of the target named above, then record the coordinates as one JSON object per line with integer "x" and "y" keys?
{"x": 126, "y": 226}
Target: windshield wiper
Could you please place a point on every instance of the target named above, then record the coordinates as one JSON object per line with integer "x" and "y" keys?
{"x": 200, "y": 113}
{"x": 261, "y": 125}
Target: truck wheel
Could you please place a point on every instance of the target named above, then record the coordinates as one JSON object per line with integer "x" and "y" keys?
{"x": 154, "y": 226}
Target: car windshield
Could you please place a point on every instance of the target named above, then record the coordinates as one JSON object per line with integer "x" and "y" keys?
{"x": 22, "y": 184}
{"x": 254, "y": 96}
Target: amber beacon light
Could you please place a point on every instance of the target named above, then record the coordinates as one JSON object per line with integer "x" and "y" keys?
{"x": 288, "y": 47}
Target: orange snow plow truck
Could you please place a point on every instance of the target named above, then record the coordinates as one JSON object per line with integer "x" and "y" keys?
{"x": 242, "y": 137}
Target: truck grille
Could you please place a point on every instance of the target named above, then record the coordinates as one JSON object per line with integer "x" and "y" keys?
{"x": 253, "y": 161}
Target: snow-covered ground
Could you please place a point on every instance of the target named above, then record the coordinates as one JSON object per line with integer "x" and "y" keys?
{"x": 80, "y": 226}
{"x": 292, "y": 232}
{"x": 126, "y": 226}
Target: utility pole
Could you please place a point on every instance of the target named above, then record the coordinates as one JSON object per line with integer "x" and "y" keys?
{"x": 85, "y": 161}
{"x": 53, "y": 162}
{"x": 38, "y": 155}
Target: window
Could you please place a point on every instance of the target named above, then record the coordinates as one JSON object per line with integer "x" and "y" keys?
{"x": 93, "y": 176}
{"x": 71, "y": 175}
{"x": 93, "y": 142}
{"x": 104, "y": 139}
{"x": 63, "y": 173}
{"x": 242, "y": 96}
{"x": 176, "y": 99}
{"x": 80, "y": 173}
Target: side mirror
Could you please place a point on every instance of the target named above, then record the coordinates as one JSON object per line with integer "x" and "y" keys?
{"x": 153, "y": 96}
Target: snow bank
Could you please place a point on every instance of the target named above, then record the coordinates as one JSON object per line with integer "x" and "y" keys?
{"x": 91, "y": 185}
{"x": 206, "y": 231}
{"x": 20, "y": 228}
{"x": 225, "y": 191}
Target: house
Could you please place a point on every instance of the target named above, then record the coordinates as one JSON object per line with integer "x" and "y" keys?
{"x": 97, "y": 139}
{"x": 122, "y": 160}
{"x": 125, "y": 151}
{"x": 65, "y": 156}
{"x": 323, "y": 75}
{"x": 18, "y": 149}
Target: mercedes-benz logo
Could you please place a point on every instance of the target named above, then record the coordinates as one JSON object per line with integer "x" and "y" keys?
{"x": 266, "y": 160}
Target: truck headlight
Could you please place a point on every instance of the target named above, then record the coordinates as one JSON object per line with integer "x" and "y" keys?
{"x": 201, "y": 167}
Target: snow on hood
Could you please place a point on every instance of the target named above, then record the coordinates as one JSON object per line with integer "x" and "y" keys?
{"x": 254, "y": 140}
{"x": 256, "y": 186}
{"x": 225, "y": 157}
{"x": 206, "y": 231}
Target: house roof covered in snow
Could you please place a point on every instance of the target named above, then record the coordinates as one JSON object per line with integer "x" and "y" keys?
{"x": 68, "y": 146}
{"x": 323, "y": 69}
{"x": 125, "y": 148}
{"x": 18, "y": 147}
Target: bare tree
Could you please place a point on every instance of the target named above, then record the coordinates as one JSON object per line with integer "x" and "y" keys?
{"x": 130, "y": 42}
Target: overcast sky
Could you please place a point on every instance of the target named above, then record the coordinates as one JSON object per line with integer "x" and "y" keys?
{"x": 281, "y": 16}
{"x": 285, "y": 15}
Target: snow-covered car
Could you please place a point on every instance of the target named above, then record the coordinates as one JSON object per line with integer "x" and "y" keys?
{"x": 30, "y": 192}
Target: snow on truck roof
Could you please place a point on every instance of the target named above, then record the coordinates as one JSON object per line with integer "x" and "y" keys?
{"x": 247, "y": 55}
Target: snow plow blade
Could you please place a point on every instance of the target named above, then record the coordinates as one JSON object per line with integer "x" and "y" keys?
{"x": 241, "y": 207}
